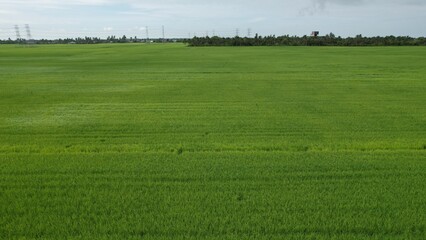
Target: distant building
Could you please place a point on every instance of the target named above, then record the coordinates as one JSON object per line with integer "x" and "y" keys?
{"x": 315, "y": 33}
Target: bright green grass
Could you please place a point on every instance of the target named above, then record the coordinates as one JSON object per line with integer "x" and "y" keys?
{"x": 172, "y": 142}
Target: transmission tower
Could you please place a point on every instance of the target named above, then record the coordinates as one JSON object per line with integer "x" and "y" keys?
{"x": 164, "y": 37}
{"x": 147, "y": 33}
{"x": 237, "y": 32}
{"x": 28, "y": 30}
{"x": 30, "y": 40}
{"x": 249, "y": 33}
{"x": 18, "y": 34}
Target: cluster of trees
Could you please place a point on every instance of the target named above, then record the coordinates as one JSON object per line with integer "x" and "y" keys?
{"x": 328, "y": 40}
{"x": 87, "y": 40}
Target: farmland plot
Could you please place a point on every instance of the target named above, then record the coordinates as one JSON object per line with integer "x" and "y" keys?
{"x": 171, "y": 142}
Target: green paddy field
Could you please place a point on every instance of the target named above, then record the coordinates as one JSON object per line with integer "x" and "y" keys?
{"x": 173, "y": 142}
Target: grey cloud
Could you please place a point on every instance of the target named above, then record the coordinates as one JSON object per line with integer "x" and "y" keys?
{"x": 318, "y": 6}
{"x": 321, "y": 4}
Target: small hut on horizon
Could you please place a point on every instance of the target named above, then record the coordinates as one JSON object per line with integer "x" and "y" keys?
{"x": 315, "y": 33}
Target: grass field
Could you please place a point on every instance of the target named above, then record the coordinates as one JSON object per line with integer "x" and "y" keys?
{"x": 172, "y": 142}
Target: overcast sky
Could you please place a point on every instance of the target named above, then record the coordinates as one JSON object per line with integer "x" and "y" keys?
{"x": 183, "y": 18}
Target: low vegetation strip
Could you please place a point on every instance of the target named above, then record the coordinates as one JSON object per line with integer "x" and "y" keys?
{"x": 135, "y": 141}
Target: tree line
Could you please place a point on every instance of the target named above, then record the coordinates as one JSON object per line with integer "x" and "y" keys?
{"x": 88, "y": 40}
{"x": 328, "y": 40}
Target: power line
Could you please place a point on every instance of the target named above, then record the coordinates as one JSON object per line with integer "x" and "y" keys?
{"x": 148, "y": 33}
